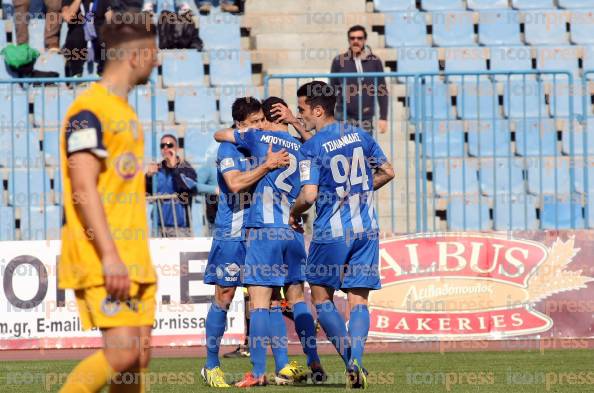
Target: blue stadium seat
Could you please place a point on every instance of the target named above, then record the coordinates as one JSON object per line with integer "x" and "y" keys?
{"x": 440, "y": 5}
{"x": 443, "y": 139}
{"x": 589, "y": 213}
{"x": 3, "y": 40}
{"x": 545, "y": 27}
{"x": 532, "y": 4}
{"x": 198, "y": 218}
{"x": 536, "y": 137}
{"x": 558, "y": 58}
{"x": 448, "y": 177}
{"x": 406, "y": 29}
{"x": 140, "y": 100}
{"x": 50, "y": 61}
{"x": 555, "y": 176}
{"x": 580, "y": 179}
{"x": 199, "y": 145}
{"x": 38, "y": 223}
{"x": 149, "y": 142}
{"x": 486, "y": 139}
{"x": 7, "y": 223}
{"x": 18, "y": 108}
{"x": 453, "y": 28}
{"x": 465, "y": 60}
{"x": 561, "y": 95}
{"x": 512, "y": 58}
{"x": 501, "y": 176}
{"x": 50, "y": 106}
{"x": 394, "y": 5}
{"x": 229, "y": 95}
{"x": 578, "y": 139}
{"x": 557, "y": 214}
{"x": 417, "y": 60}
{"x": 582, "y": 27}
{"x": 576, "y": 3}
{"x": 468, "y": 214}
{"x": 29, "y": 186}
{"x": 36, "y": 27}
{"x": 17, "y": 149}
{"x": 477, "y": 100}
{"x": 220, "y": 31}
{"x": 588, "y": 60}
{"x": 182, "y": 68}
{"x": 51, "y": 146}
{"x": 230, "y": 68}
{"x": 524, "y": 98}
{"x": 195, "y": 105}
{"x": 499, "y": 27}
{"x": 437, "y": 100}
{"x": 487, "y": 4}
{"x": 514, "y": 213}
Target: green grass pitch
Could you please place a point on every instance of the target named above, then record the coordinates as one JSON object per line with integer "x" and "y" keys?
{"x": 509, "y": 372}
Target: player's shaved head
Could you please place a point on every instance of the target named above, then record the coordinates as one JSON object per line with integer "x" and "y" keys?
{"x": 267, "y": 105}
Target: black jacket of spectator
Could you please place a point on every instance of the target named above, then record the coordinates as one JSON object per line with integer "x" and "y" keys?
{"x": 370, "y": 63}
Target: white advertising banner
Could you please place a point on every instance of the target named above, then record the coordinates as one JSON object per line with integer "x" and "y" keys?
{"x": 35, "y": 314}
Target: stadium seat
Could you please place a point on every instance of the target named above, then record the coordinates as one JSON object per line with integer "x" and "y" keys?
{"x": 477, "y": 100}
{"x": 511, "y": 58}
{"x": 3, "y": 40}
{"x": 16, "y": 149}
{"x": 453, "y": 28}
{"x": 140, "y": 100}
{"x": 576, "y": 3}
{"x": 500, "y": 27}
{"x": 417, "y": 60}
{"x": 514, "y": 213}
{"x": 524, "y": 98}
{"x": 199, "y": 145}
{"x": 501, "y": 176}
{"x": 29, "y": 188}
{"x": 448, "y": 175}
{"x": 230, "y": 68}
{"x": 441, "y": 5}
{"x": 486, "y": 138}
{"x": 50, "y": 61}
{"x": 443, "y": 139}
{"x": 7, "y": 223}
{"x": 582, "y": 27}
{"x": 182, "y": 68}
{"x": 51, "y": 146}
{"x": 487, "y": 4}
{"x": 228, "y": 95}
{"x": 588, "y": 61}
{"x": 149, "y": 142}
{"x": 580, "y": 178}
{"x": 545, "y": 27}
{"x": 557, "y": 214}
{"x": 436, "y": 101}
{"x": 406, "y": 29}
{"x": 15, "y": 113}
{"x": 532, "y": 4}
{"x": 394, "y": 5}
{"x": 36, "y": 27}
{"x": 195, "y": 105}
{"x": 220, "y": 31}
{"x": 578, "y": 139}
{"x": 554, "y": 176}
{"x": 198, "y": 218}
{"x": 589, "y": 212}
{"x": 465, "y": 60}
{"x": 536, "y": 137}
{"x": 558, "y": 58}
{"x": 50, "y": 106}
{"x": 38, "y": 223}
{"x": 468, "y": 214}
{"x": 561, "y": 96}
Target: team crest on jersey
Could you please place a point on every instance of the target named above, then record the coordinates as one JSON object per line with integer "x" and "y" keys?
{"x": 110, "y": 307}
{"x": 126, "y": 165}
{"x": 227, "y": 163}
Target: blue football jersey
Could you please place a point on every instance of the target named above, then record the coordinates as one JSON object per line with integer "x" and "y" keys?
{"x": 340, "y": 160}
{"x": 233, "y": 208}
{"x": 276, "y": 192}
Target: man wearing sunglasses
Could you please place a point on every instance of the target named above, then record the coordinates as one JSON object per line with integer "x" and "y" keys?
{"x": 172, "y": 176}
{"x": 358, "y": 95}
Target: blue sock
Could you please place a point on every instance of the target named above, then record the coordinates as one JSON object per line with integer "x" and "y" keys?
{"x": 335, "y": 328}
{"x": 259, "y": 339}
{"x": 278, "y": 338}
{"x": 306, "y": 330}
{"x": 215, "y": 329}
{"x": 358, "y": 330}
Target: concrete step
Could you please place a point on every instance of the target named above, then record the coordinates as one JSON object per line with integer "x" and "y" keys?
{"x": 315, "y": 22}
{"x": 315, "y": 7}
{"x": 298, "y": 41}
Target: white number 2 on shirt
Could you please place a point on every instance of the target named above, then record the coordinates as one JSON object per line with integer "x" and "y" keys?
{"x": 355, "y": 174}
{"x": 280, "y": 182}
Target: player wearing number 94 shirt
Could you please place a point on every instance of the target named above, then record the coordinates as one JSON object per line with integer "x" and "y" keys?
{"x": 342, "y": 167}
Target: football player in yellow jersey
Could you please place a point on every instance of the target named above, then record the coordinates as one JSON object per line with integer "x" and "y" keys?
{"x": 105, "y": 251}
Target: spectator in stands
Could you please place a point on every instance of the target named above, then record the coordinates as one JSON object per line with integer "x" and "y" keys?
{"x": 83, "y": 42}
{"x": 360, "y": 59}
{"x": 53, "y": 21}
{"x": 173, "y": 176}
{"x": 226, "y": 5}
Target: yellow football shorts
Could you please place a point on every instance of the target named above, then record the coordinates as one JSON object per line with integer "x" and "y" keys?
{"x": 98, "y": 310}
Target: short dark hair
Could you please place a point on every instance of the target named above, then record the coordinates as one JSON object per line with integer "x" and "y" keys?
{"x": 267, "y": 105}
{"x": 357, "y": 28}
{"x": 169, "y": 136}
{"x": 318, "y": 93}
{"x": 243, "y": 107}
{"x": 127, "y": 26}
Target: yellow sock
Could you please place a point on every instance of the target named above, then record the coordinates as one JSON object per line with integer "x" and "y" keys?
{"x": 89, "y": 376}
{"x": 143, "y": 376}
